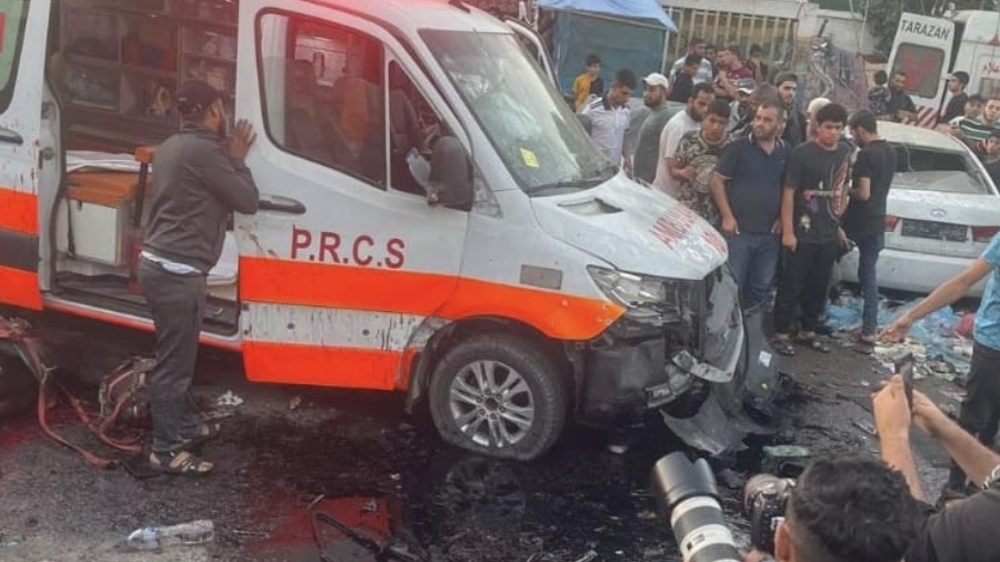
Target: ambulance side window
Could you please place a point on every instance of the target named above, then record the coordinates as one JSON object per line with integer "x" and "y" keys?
{"x": 414, "y": 126}
{"x": 324, "y": 94}
{"x": 13, "y": 16}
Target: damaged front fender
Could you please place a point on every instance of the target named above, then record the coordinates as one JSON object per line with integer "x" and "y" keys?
{"x": 721, "y": 424}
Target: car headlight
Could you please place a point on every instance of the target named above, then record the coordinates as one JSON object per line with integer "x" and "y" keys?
{"x": 629, "y": 290}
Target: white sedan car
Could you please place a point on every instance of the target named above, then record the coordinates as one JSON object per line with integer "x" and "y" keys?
{"x": 943, "y": 210}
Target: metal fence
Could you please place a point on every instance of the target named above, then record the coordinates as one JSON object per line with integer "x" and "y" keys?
{"x": 775, "y": 34}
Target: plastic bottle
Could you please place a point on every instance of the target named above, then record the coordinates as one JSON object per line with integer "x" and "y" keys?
{"x": 156, "y": 538}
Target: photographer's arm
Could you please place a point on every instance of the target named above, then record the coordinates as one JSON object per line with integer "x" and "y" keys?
{"x": 892, "y": 417}
{"x": 949, "y": 292}
{"x": 975, "y": 459}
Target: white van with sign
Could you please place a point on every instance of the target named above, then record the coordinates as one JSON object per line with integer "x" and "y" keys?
{"x": 928, "y": 49}
{"x": 922, "y": 50}
{"x": 434, "y": 220}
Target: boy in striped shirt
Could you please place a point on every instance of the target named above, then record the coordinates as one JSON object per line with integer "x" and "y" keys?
{"x": 975, "y": 132}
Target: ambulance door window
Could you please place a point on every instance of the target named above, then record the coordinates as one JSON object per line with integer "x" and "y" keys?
{"x": 13, "y": 16}
{"x": 922, "y": 66}
{"x": 324, "y": 94}
{"x": 414, "y": 126}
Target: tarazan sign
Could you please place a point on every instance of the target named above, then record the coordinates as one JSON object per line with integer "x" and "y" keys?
{"x": 925, "y": 30}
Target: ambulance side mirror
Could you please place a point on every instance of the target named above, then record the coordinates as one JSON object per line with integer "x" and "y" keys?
{"x": 451, "y": 175}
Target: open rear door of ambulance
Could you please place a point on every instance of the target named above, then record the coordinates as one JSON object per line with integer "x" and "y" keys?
{"x": 23, "y": 29}
{"x": 922, "y": 50}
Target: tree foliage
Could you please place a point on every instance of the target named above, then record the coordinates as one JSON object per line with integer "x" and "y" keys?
{"x": 883, "y": 15}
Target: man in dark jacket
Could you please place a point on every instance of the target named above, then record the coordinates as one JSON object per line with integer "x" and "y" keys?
{"x": 795, "y": 126}
{"x": 199, "y": 180}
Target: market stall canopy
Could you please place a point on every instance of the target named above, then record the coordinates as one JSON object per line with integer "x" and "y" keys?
{"x": 649, "y": 10}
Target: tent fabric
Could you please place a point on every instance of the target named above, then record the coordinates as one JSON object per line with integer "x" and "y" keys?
{"x": 637, "y": 9}
{"x": 619, "y": 45}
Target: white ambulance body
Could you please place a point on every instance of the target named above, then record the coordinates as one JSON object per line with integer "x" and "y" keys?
{"x": 434, "y": 219}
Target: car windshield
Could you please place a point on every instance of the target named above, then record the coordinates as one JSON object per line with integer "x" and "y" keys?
{"x": 537, "y": 136}
{"x": 945, "y": 171}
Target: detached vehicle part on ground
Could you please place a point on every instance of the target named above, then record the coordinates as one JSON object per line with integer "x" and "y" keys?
{"x": 433, "y": 218}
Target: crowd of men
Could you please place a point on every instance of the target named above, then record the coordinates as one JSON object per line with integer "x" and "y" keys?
{"x": 791, "y": 192}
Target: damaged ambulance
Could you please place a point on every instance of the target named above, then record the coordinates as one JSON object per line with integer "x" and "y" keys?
{"x": 433, "y": 218}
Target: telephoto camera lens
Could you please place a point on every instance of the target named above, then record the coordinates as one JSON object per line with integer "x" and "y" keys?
{"x": 691, "y": 497}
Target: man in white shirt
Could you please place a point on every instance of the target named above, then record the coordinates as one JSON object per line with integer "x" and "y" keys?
{"x": 705, "y": 73}
{"x": 610, "y": 119}
{"x": 682, "y": 123}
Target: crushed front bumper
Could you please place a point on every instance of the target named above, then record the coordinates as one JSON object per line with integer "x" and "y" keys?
{"x": 699, "y": 356}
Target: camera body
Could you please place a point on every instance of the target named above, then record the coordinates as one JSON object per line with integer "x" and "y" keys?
{"x": 765, "y": 498}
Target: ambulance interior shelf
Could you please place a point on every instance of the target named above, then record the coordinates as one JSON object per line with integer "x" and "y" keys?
{"x": 96, "y": 222}
{"x": 118, "y": 64}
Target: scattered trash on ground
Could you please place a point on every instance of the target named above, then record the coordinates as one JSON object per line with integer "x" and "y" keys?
{"x": 940, "y": 343}
{"x": 229, "y": 400}
{"x": 158, "y": 538}
{"x": 588, "y": 557}
{"x": 294, "y": 403}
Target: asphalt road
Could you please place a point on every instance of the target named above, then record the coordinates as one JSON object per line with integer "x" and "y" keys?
{"x": 356, "y": 456}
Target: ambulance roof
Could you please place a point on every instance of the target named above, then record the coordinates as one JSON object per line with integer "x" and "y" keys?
{"x": 980, "y": 25}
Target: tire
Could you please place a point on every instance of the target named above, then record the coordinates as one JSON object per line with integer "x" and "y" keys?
{"x": 525, "y": 411}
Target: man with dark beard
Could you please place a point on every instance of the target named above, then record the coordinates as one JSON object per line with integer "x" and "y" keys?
{"x": 655, "y": 90}
{"x": 747, "y": 190}
{"x": 795, "y": 126}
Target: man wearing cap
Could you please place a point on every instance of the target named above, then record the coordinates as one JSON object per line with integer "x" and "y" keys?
{"x": 741, "y": 110}
{"x": 655, "y": 90}
{"x": 200, "y": 179}
{"x": 957, "y": 83}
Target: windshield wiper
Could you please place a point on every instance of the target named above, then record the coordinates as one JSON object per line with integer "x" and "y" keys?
{"x": 576, "y": 183}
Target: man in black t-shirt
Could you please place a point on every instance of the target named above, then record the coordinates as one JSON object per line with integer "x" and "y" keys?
{"x": 864, "y": 222}
{"x": 815, "y": 197}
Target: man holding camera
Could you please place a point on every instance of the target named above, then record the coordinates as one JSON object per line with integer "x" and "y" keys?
{"x": 962, "y": 531}
{"x": 844, "y": 510}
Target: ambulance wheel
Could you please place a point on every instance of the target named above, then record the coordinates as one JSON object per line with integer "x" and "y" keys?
{"x": 499, "y": 395}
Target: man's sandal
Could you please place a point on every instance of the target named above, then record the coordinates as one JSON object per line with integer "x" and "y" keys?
{"x": 814, "y": 344}
{"x": 180, "y": 463}
{"x": 206, "y": 433}
{"x": 784, "y": 347}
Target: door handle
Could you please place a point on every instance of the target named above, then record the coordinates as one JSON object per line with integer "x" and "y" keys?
{"x": 282, "y": 205}
{"x": 10, "y": 137}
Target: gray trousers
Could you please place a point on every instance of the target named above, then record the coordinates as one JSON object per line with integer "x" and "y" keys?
{"x": 177, "y": 303}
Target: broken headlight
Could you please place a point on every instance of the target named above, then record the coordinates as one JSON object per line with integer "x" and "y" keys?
{"x": 627, "y": 289}
{"x": 647, "y": 299}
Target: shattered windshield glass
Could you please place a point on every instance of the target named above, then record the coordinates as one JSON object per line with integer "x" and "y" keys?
{"x": 536, "y": 134}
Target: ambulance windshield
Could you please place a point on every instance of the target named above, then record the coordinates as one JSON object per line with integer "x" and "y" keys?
{"x": 533, "y": 129}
